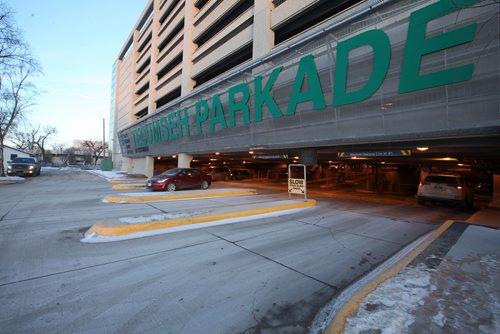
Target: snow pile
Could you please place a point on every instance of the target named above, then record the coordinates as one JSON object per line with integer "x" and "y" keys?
{"x": 10, "y": 179}
{"x": 167, "y": 216}
{"x": 389, "y": 308}
{"x": 110, "y": 175}
{"x": 459, "y": 296}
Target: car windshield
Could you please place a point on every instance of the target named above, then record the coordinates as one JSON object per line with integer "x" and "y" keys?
{"x": 172, "y": 172}
{"x": 24, "y": 160}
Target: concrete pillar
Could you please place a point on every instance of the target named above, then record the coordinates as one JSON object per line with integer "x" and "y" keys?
{"x": 149, "y": 166}
{"x": 153, "y": 66}
{"x": 188, "y": 48}
{"x": 135, "y": 56}
{"x": 496, "y": 191}
{"x": 263, "y": 35}
{"x": 184, "y": 160}
{"x": 262, "y": 32}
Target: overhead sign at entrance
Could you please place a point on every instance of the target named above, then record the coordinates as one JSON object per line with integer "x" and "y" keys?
{"x": 270, "y": 156}
{"x": 398, "y": 153}
{"x": 316, "y": 83}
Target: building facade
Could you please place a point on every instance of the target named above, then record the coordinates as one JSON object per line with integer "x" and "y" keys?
{"x": 313, "y": 76}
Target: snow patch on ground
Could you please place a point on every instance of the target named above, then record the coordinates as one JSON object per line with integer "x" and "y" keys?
{"x": 9, "y": 179}
{"x": 389, "y": 308}
{"x": 110, "y": 175}
{"x": 459, "y": 296}
{"x": 161, "y": 217}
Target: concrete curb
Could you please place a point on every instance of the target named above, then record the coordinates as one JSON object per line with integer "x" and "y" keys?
{"x": 127, "y": 180}
{"x": 128, "y": 187}
{"x": 347, "y": 310}
{"x": 177, "y": 196}
{"x": 102, "y": 229}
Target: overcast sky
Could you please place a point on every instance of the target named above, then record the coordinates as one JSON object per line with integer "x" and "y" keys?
{"x": 76, "y": 43}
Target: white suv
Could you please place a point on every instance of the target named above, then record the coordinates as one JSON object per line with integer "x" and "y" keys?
{"x": 445, "y": 188}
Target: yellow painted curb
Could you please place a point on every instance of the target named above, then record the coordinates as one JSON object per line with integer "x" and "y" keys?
{"x": 128, "y": 181}
{"x": 123, "y": 187}
{"x": 140, "y": 199}
{"x": 104, "y": 230}
{"x": 348, "y": 309}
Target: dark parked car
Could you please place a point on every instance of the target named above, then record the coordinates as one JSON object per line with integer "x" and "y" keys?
{"x": 24, "y": 167}
{"x": 240, "y": 174}
{"x": 221, "y": 173}
{"x": 179, "y": 178}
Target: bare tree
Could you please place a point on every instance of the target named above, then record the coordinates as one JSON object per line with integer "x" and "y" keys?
{"x": 96, "y": 148}
{"x": 44, "y": 133}
{"x": 17, "y": 67}
{"x": 70, "y": 155}
{"x": 33, "y": 139}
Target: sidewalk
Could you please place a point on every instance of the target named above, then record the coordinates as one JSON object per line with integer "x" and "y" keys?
{"x": 451, "y": 286}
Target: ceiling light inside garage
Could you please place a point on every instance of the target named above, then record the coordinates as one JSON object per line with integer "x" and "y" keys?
{"x": 422, "y": 148}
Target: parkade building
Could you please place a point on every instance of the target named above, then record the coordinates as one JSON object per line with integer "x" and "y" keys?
{"x": 317, "y": 78}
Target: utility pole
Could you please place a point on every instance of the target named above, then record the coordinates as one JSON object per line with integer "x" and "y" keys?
{"x": 103, "y": 139}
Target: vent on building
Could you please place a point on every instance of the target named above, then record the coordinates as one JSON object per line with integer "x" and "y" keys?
{"x": 168, "y": 97}
{"x": 141, "y": 113}
{"x": 168, "y": 67}
{"x": 223, "y": 21}
{"x": 310, "y": 17}
{"x": 224, "y": 65}
{"x": 200, "y": 3}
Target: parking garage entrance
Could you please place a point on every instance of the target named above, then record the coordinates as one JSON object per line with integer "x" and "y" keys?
{"x": 392, "y": 77}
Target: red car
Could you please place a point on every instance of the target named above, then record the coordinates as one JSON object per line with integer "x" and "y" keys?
{"x": 180, "y": 178}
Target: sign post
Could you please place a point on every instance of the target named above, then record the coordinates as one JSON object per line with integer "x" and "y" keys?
{"x": 297, "y": 185}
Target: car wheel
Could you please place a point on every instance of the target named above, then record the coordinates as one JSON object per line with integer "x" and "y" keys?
{"x": 171, "y": 187}
{"x": 204, "y": 185}
{"x": 421, "y": 201}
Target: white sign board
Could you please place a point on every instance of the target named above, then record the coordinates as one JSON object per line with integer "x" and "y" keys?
{"x": 296, "y": 186}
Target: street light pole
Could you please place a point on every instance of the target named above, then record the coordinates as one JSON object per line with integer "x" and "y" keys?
{"x": 103, "y": 139}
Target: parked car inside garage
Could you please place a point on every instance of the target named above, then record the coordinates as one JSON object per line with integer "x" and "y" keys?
{"x": 179, "y": 178}
{"x": 23, "y": 167}
{"x": 221, "y": 173}
{"x": 240, "y": 174}
{"x": 445, "y": 188}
